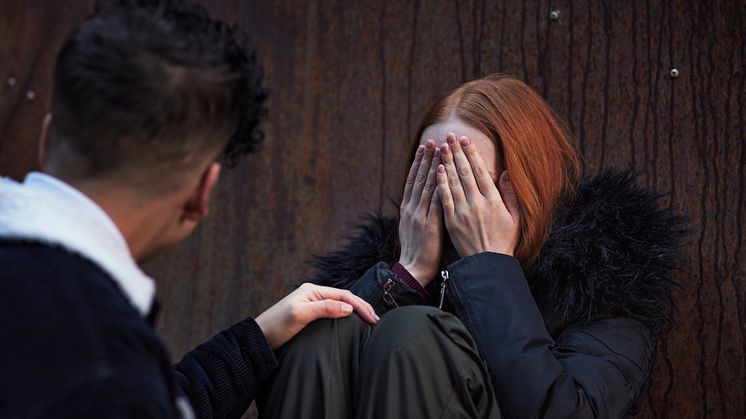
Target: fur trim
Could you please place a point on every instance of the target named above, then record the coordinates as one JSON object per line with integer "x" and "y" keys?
{"x": 376, "y": 240}
{"x": 611, "y": 252}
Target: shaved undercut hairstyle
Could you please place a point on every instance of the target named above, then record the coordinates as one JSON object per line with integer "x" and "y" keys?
{"x": 144, "y": 90}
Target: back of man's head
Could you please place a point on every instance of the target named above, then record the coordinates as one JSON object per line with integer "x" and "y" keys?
{"x": 145, "y": 91}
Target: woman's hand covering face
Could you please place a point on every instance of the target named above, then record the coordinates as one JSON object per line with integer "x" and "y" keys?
{"x": 421, "y": 216}
{"x": 478, "y": 216}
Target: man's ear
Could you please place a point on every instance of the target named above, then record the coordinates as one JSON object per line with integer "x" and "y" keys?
{"x": 198, "y": 206}
{"x": 44, "y": 140}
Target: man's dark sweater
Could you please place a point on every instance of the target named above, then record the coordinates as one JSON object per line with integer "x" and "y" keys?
{"x": 74, "y": 347}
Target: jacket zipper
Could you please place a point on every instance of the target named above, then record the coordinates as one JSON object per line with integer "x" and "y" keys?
{"x": 458, "y": 306}
{"x": 444, "y": 275}
{"x": 387, "y": 297}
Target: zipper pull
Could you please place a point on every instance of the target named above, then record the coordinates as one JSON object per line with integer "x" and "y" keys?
{"x": 444, "y": 275}
{"x": 387, "y": 297}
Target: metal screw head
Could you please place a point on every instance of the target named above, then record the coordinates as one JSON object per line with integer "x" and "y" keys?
{"x": 554, "y": 14}
{"x": 30, "y": 95}
{"x": 12, "y": 81}
{"x": 674, "y": 73}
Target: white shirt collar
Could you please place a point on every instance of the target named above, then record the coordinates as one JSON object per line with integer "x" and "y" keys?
{"x": 48, "y": 210}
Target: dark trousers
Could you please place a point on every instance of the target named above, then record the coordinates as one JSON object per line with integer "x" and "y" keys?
{"x": 418, "y": 362}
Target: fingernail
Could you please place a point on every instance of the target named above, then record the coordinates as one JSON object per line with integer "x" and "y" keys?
{"x": 465, "y": 141}
{"x": 436, "y": 152}
{"x": 451, "y": 139}
{"x": 441, "y": 169}
{"x": 445, "y": 149}
{"x": 429, "y": 145}
{"x": 346, "y": 308}
{"x": 420, "y": 149}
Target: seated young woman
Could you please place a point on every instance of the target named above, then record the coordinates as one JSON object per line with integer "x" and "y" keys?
{"x": 507, "y": 287}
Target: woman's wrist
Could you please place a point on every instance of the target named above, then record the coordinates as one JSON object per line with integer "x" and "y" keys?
{"x": 471, "y": 246}
{"x": 501, "y": 251}
{"x": 410, "y": 273}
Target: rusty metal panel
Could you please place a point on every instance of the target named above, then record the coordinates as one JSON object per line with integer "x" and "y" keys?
{"x": 349, "y": 81}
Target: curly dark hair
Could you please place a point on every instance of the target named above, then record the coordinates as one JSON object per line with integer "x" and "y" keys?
{"x": 151, "y": 84}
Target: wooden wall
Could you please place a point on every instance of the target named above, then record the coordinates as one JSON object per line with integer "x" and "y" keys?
{"x": 349, "y": 81}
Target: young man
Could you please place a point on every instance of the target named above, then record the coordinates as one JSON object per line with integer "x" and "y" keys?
{"x": 147, "y": 96}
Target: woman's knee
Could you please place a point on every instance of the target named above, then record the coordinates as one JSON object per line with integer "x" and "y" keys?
{"x": 411, "y": 316}
{"x": 424, "y": 342}
{"x": 415, "y": 326}
{"x": 320, "y": 336}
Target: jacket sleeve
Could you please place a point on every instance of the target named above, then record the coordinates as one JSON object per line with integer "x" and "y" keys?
{"x": 220, "y": 376}
{"x": 592, "y": 371}
{"x": 384, "y": 290}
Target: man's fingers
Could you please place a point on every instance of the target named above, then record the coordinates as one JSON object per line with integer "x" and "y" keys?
{"x": 463, "y": 167}
{"x": 360, "y": 306}
{"x": 444, "y": 191}
{"x": 421, "y": 178}
{"x": 413, "y": 173}
{"x": 481, "y": 174}
{"x": 432, "y": 182}
{"x": 324, "y": 309}
{"x": 454, "y": 182}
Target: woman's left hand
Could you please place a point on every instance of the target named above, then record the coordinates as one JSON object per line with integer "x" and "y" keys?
{"x": 479, "y": 217}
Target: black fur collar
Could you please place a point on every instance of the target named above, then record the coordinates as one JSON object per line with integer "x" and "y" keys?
{"x": 611, "y": 252}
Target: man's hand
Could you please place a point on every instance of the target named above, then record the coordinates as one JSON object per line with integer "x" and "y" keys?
{"x": 478, "y": 216}
{"x": 421, "y": 217}
{"x": 310, "y": 302}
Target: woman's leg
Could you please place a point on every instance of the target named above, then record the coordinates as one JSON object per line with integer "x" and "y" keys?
{"x": 418, "y": 362}
{"x": 317, "y": 371}
{"x": 421, "y": 362}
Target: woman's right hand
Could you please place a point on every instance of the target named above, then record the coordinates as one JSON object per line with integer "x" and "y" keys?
{"x": 479, "y": 215}
{"x": 421, "y": 217}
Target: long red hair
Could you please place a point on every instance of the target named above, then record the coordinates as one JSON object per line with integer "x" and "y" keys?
{"x": 531, "y": 141}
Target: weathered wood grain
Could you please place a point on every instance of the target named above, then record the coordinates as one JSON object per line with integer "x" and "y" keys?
{"x": 349, "y": 81}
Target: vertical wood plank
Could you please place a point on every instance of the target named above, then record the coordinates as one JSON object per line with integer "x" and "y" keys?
{"x": 349, "y": 81}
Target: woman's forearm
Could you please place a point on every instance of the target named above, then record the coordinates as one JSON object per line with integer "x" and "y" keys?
{"x": 585, "y": 374}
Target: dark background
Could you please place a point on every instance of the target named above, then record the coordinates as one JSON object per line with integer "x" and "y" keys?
{"x": 349, "y": 82}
